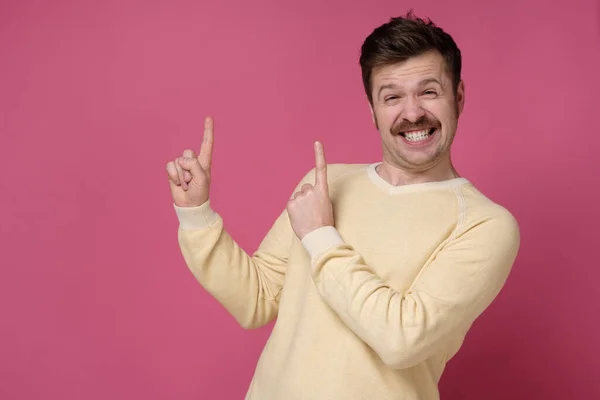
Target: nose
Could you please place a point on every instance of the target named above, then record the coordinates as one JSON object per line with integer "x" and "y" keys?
{"x": 412, "y": 110}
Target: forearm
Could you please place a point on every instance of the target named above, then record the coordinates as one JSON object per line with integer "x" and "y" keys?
{"x": 247, "y": 286}
{"x": 393, "y": 324}
{"x": 403, "y": 328}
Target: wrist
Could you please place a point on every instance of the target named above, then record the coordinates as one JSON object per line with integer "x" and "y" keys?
{"x": 196, "y": 202}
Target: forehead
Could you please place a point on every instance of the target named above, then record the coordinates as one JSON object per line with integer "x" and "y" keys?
{"x": 412, "y": 71}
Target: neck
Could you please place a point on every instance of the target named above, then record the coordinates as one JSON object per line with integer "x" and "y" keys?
{"x": 397, "y": 176}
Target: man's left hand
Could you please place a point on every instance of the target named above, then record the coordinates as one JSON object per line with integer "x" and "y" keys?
{"x": 311, "y": 208}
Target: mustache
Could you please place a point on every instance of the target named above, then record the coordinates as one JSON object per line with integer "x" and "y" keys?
{"x": 425, "y": 122}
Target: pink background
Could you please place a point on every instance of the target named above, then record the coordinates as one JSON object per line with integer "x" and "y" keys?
{"x": 96, "y": 96}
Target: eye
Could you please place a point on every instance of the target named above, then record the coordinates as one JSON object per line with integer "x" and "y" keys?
{"x": 430, "y": 93}
{"x": 390, "y": 98}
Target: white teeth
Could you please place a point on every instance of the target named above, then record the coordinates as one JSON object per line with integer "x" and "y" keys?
{"x": 417, "y": 136}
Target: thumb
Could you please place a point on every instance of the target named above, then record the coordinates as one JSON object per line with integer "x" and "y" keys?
{"x": 320, "y": 166}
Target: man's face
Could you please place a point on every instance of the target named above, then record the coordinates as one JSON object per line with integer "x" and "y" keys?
{"x": 416, "y": 111}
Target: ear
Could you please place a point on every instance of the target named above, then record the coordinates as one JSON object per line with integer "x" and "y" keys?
{"x": 460, "y": 96}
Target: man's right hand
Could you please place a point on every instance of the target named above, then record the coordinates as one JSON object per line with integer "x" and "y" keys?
{"x": 189, "y": 176}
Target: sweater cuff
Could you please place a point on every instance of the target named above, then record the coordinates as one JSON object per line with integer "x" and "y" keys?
{"x": 320, "y": 240}
{"x": 196, "y": 218}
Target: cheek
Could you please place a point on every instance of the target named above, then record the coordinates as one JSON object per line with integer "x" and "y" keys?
{"x": 386, "y": 116}
{"x": 444, "y": 112}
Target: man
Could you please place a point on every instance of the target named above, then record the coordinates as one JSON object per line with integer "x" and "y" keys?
{"x": 374, "y": 272}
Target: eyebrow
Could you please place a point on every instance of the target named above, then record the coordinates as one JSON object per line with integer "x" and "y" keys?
{"x": 428, "y": 81}
{"x": 421, "y": 83}
{"x": 387, "y": 86}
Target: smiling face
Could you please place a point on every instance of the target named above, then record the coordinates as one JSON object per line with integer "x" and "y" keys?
{"x": 416, "y": 111}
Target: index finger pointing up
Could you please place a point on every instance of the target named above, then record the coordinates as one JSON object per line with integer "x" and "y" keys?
{"x": 205, "y": 156}
{"x": 320, "y": 166}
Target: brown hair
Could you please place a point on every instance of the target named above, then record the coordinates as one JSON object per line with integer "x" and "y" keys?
{"x": 402, "y": 38}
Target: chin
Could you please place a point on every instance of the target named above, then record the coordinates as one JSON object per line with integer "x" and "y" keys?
{"x": 420, "y": 161}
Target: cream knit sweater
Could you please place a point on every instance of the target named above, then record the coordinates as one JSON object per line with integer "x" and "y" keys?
{"x": 370, "y": 309}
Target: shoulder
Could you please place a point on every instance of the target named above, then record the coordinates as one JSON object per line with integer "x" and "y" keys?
{"x": 494, "y": 224}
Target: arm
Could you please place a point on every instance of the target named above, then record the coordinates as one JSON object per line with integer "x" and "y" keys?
{"x": 451, "y": 291}
{"x": 248, "y": 286}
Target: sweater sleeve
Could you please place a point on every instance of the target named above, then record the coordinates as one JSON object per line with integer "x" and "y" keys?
{"x": 247, "y": 285}
{"x": 451, "y": 291}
